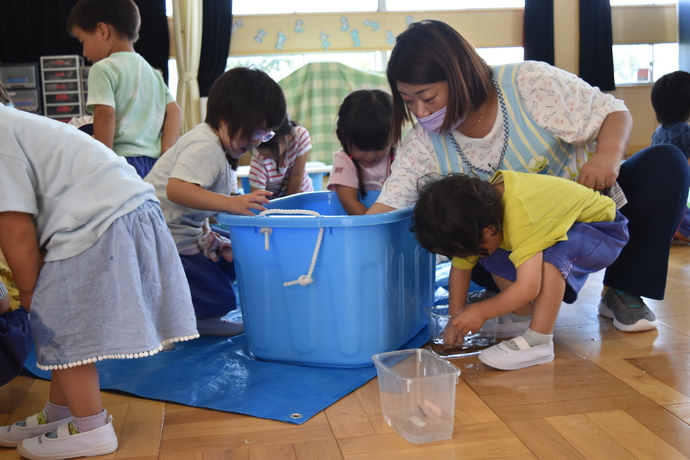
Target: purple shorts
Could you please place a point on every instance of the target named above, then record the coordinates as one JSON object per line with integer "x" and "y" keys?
{"x": 590, "y": 247}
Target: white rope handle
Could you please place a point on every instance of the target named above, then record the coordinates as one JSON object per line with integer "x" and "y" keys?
{"x": 303, "y": 279}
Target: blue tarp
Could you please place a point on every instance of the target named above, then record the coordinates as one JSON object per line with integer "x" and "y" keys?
{"x": 221, "y": 373}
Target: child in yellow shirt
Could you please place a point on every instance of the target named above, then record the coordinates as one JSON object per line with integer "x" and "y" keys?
{"x": 539, "y": 236}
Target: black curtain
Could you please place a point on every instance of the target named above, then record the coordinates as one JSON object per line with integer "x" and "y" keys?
{"x": 538, "y": 31}
{"x": 30, "y": 29}
{"x": 596, "y": 44}
{"x": 154, "y": 36}
{"x": 215, "y": 42}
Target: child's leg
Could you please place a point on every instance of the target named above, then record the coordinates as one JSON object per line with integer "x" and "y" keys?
{"x": 535, "y": 345}
{"x": 77, "y": 388}
{"x": 548, "y": 302}
{"x": 515, "y": 322}
{"x": 90, "y": 433}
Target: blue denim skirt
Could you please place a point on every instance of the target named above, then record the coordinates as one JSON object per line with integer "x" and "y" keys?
{"x": 590, "y": 247}
{"x": 125, "y": 297}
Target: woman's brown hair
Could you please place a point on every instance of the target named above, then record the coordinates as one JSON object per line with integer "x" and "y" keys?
{"x": 431, "y": 51}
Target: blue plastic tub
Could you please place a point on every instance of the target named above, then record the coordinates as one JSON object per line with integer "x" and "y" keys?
{"x": 371, "y": 282}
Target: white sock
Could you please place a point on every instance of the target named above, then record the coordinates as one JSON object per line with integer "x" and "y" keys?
{"x": 533, "y": 338}
{"x": 91, "y": 422}
{"x": 55, "y": 412}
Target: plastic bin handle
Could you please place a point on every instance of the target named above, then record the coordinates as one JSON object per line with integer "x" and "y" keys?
{"x": 303, "y": 279}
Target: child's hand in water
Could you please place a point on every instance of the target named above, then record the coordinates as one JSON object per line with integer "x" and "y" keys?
{"x": 469, "y": 319}
{"x": 451, "y": 336}
{"x": 243, "y": 204}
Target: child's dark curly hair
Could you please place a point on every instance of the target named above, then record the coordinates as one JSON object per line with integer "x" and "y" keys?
{"x": 452, "y": 212}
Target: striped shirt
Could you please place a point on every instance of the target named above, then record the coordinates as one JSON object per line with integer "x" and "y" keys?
{"x": 264, "y": 173}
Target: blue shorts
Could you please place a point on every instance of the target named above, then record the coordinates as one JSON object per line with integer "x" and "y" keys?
{"x": 590, "y": 247}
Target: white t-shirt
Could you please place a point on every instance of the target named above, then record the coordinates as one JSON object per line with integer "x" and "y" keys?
{"x": 264, "y": 173}
{"x": 137, "y": 92}
{"x": 344, "y": 173}
{"x": 545, "y": 91}
{"x": 198, "y": 158}
{"x": 73, "y": 186}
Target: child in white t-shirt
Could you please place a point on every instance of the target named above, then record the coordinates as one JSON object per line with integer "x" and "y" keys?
{"x": 94, "y": 263}
{"x": 279, "y": 165}
{"x": 194, "y": 182}
{"x": 363, "y": 163}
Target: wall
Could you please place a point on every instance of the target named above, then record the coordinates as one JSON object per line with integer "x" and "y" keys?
{"x": 304, "y": 33}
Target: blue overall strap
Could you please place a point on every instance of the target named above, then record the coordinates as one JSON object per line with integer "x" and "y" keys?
{"x": 530, "y": 147}
{"x": 447, "y": 158}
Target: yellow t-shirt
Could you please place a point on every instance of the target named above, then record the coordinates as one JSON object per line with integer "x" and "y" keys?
{"x": 538, "y": 211}
{"x": 7, "y": 278}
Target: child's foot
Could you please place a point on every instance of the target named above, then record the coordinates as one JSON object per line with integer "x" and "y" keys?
{"x": 37, "y": 424}
{"x": 66, "y": 442}
{"x": 517, "y": 354}
{"x": 219, "y": 326}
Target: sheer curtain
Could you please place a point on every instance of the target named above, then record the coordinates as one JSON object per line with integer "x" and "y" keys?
{"x": 187, "y": 21}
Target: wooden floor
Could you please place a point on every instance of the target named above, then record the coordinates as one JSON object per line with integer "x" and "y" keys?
{"x": 608, "y": 395}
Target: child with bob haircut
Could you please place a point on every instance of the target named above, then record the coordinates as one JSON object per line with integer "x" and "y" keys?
{"x": 671, "y": 102}
{"x": 133, "y": 111}
{"x": 96, "y": 267}
{"x": 539, "y": 236}
{"x": 364, "y": 161}
{"x": 193, "y": 181}
{"x": 279, "y": 165}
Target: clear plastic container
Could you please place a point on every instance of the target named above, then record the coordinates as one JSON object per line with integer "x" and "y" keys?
{"x": 472, "y": 344}
{"x": 417, "y": 391}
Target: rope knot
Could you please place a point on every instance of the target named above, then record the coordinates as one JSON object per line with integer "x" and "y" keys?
{"x": 303, "y": 279}
{"x": 266, "y": 231}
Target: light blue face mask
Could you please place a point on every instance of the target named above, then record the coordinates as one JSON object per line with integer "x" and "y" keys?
{"x": 433, "y": 122}
{"x": 9, "y": 104}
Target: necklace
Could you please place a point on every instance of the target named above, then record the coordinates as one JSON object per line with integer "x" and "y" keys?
{"x": 467, "y": 166}
{"x": 479, "y": 121}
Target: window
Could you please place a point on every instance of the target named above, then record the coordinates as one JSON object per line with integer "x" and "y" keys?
{"x": 280, "y": 66}
{"x": 244, "y": 7}
{"x": 642, "y": 2}
{"x": 645, "y": 63}
{"x": 428, "y": 5}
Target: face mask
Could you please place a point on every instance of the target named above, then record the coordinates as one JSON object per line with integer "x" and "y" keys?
{"x": 433, "y": 122}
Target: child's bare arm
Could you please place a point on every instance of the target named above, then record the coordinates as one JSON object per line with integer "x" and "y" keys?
{"x": 526, "y": 288}
{"x": 349, "y": 199}
{"x": 297, "y": 175}
{"x": 20, "y": 247}
{"x": 458, "y": 285}
{"x": 194, "y": 196}
{"x": 172, "y": 126}
{"x": 104, "y": 124}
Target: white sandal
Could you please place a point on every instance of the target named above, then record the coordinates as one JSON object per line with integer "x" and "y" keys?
{"x": 65, "y": 445}
{"x": 12, "y": 435}
{"x": 501, "y": 357}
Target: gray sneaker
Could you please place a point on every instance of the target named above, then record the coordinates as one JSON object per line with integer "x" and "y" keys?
{"x": 628, "y": 311}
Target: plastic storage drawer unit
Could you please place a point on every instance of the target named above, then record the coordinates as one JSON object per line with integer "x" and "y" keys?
{"x": 371, "y": 281}
{"x": 19, "y": 75}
